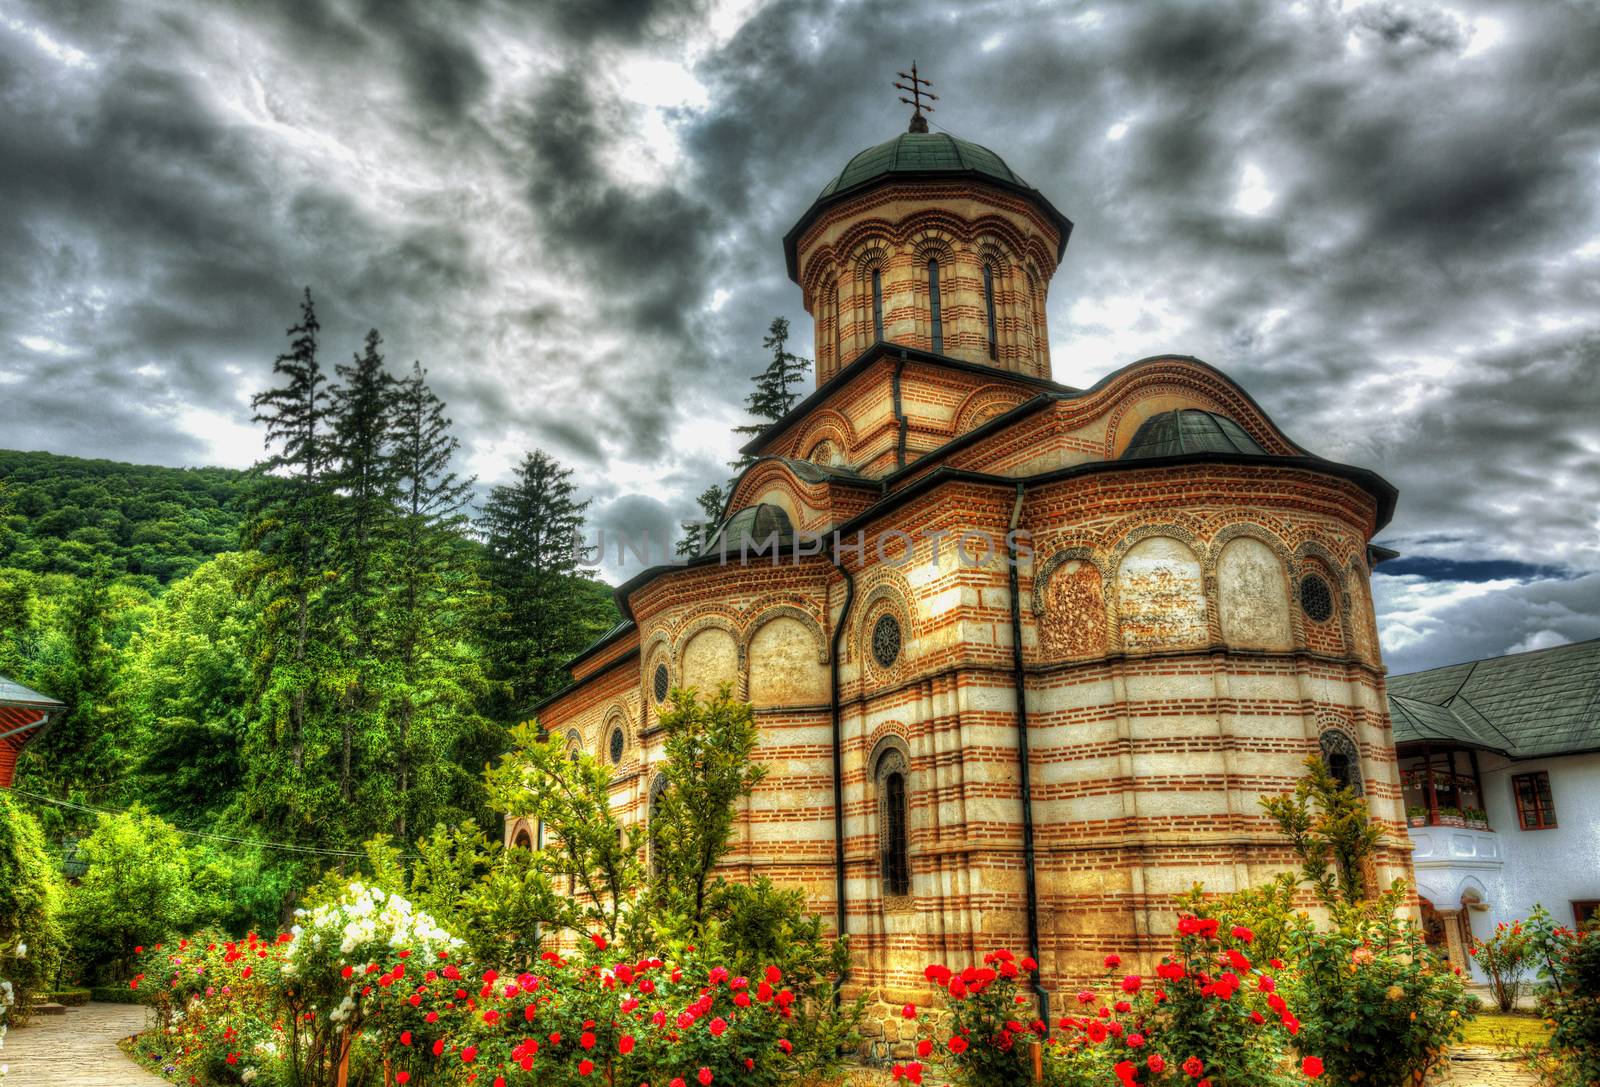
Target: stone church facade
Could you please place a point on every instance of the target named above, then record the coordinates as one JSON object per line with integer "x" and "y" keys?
{"x": 1031, "y": 653}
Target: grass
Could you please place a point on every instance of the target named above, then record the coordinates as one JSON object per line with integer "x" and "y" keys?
{"x": 1506, "y": 1030}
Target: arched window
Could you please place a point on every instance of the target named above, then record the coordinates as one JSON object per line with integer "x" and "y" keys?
{"x": 522, "y": 839}
{"x": 988, "y": 308}
{"x": 837, "y": 347}
{"x": 893, "y": 823}
{"x": 1342, "y": 759}
{"x": 877, "y": 303}
{"x": 933, "y": 306}
{"x": 657, "y": 788}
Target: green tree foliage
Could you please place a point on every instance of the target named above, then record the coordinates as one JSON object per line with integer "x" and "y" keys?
{"x": 545, "y": 609}
{"x": 185, "y": 679}
{"x": 708, "y": 769}
{"x": 69, "y": 650}
{"x": 1328, "y": 825}
{"x": 777, "y": 386}
{"x": 31, "y": 935}
{"x": 136, "y": 890}
{"x": 695, "y": 533}
{"x": 1376, "y": 1003}
{"x": 433, "y": 678}
{"x": 66, "y": 515}
{"x": 587, "y": 852}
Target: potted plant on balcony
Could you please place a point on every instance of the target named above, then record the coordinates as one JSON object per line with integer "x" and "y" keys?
{"x": 1476, "y": 818}
{"x": 1417, "y": 815}
{"x": 1451, "y": 817}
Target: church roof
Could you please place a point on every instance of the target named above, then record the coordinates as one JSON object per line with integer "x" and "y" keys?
{"x": 1525, "y": 705}
{"x": 1189, "y": 430}
{"x": 750, "y": 529}
{"x": 921, "y": 153}
{"x": 933, "y": 156}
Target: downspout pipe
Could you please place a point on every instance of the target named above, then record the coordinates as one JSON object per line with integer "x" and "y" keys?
{"x": 899, "y": 413}
{"x": 840, "y": 927}
{"x": 1019, "y": 681}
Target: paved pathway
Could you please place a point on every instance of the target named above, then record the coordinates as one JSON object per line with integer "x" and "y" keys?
{"x": 1481, "y": 1066}
{"x": 78, "y": 1049}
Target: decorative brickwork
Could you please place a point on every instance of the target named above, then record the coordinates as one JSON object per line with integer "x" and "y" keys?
{"x": 1172, "y": 676}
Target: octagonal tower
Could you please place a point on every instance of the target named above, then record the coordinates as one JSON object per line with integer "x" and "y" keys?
{"x": 931, "y": 242}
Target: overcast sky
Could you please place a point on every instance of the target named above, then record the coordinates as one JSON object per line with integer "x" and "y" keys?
{"x": 1382, "y": 218}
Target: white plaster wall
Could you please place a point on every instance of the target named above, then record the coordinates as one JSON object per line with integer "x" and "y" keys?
{"x": 1552, "y": 867}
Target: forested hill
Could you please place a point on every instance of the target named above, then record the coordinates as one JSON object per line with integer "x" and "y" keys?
{"x": 62, "y": 515}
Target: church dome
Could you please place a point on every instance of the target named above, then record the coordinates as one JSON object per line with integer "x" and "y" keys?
{"x": 921, "y": 153}
{"x": 923, "y": 156}
{"x": 751, "y": 528}
{"x": 1189, "y": 430}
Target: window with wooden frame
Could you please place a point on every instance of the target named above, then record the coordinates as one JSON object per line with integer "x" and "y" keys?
{"x": 1536, "y": 810}
{"x": 1585, "y": 912}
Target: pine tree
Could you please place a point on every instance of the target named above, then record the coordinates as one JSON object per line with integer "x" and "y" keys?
{"x": 711, "y": 500}
{"x": 531, "y": 528}
{"x": 289, "y": 523}
{"x": 436, "y": 675}
{"x": 777, "y": 387}
{"x": 362, "y": 474}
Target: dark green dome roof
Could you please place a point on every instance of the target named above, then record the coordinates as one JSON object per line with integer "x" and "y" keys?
{"x": 927, "y": 156}
{"x": 921, "y": 153}
{"x": 1189, "y": 430}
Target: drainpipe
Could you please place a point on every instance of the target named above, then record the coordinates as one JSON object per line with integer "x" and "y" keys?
{"x": 1023, "y": 760}
{"x": 838, "y": 769}
{"x": 899, "y": 415}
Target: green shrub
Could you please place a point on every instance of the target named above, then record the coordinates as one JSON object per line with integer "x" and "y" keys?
{"x": 114, "y": 994}
{"x": 1572, "y": 1004}
{"x": 1377, "y": 1005}
{"x": 69, "y": 998}
{"x": 136, "y": 890}
{"x": 1505, "y": 957}
{"x": 30, "y": 908}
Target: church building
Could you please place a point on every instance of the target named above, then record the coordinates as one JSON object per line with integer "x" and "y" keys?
{"x": 1030, "y": 653}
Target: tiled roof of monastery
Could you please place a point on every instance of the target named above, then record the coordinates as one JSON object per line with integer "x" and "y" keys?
{"x": 13, "y": 693}
{"x": 1525, "y": 705}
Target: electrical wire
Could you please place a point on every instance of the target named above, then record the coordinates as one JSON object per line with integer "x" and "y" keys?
{"x": 289, "y": 847}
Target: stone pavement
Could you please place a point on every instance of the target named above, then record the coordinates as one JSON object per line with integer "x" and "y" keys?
{"x": 78, "y": 1049}
{"x": 1481, "y": 1066}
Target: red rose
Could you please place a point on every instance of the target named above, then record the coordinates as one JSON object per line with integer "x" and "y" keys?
{"x": 1157, "y": 1063}
{"x": 1312, "y": 1067}
{"x": 909, "y": 1011}
{"x": 704, "y": 1076}
{"x": 585, "y": 1066}
{"x": 625, "y": 1044}
{"x": 469, "y": 1054}
{"x": 1243, "y": 934}
{"x": 1131, "y": 983}
{"x": 924, "y": 1048}
{"x": 402, "y": 1077}
{"x": 1113, "y": 961}
{"x": 1193, "y": 1067}
{"x": 957, "y": 1045}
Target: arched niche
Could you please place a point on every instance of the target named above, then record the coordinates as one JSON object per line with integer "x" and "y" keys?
{"x": 1070, "y": 608}
{"x": 1161, "y": 600}
{"x": 710, "y": 658}
{"x": 1253, "y": 596}
{"x": 785, "y": 664}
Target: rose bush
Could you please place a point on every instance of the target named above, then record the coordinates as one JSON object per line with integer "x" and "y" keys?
{"x": 1570, "y": 1002}
{"x": 1210, "y": 1016}
{"x": 1505, "y": 957}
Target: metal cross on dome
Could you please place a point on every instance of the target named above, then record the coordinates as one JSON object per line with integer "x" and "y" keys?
{"x": 915, "y": 88}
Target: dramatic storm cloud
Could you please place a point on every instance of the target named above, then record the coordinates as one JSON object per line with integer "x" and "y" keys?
{"x": 1380, "y": 217}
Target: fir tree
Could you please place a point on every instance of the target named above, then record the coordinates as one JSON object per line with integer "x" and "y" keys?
{"x": 289, "y": 524}
{"x": 362, "y": 474}
{"x": 711, "y": 500}
{"x": 429, "y": 703}
{"x": 531, "y": 529}
{"x": 777, "y": 388}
